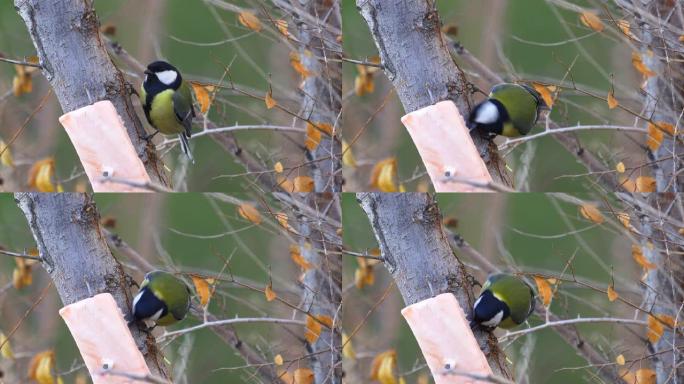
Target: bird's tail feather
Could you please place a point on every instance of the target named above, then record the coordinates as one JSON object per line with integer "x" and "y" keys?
{"x": 185, "y": 147}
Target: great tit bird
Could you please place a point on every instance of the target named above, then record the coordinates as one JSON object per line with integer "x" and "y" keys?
{"x": 511, "y": 110}
{"x": 163, "y": 299}
{"x": 167, "y": 102}
{"x": 505, "y": 301}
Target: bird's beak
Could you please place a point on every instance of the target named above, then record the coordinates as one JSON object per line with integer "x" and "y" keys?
{"x": 148, "y": 72}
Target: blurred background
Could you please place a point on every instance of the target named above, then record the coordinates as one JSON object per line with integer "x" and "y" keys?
{"x": 527, "y": 40}
{"x": 181, "y": 233}
{"x": 531, "y": 233}
{"x": 201, "y": 38}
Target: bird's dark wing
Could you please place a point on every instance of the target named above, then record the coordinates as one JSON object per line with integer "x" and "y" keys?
{"x": 182, "y": 106}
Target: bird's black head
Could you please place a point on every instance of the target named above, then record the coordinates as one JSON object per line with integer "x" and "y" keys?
{"x": 160, "y": 76}
{"x": 488, "y": 116}
{"x": 489, "y": 311}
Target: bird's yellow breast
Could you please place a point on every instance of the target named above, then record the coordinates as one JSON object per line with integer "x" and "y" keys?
{"x": 162, "y": 114}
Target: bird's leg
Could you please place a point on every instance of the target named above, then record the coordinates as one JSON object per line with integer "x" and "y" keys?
{"x": 130, "y": 281}
{"x": 150, "y": 136}
{"x": 131, "y": 89}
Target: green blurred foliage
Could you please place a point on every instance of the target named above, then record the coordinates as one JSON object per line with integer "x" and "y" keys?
{"x": 546, "y": 56}
{"x": 533, "y": 231}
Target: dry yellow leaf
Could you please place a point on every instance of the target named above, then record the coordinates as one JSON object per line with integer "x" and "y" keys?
{"x": 249, "y": 20}
{"x": 624, "y": 220}
{"x": 303, "y": 184}
{"x": 278, "y": 167}
{"x": 628, "y": 184}
{"x": 22, "y": 82}
{"x": 250, "y": 213}
{"x": 286, "y": 184}
{"x": 364, "y": 275}
{"x": 41, "y": 366}
{"x": 620, "y": 360}
{"x": 591, "y": 20}
{"x": 384, "y": 175}
{"x": 544, "y": 290}
{"x": 383, "y": 367}
{"x": 202, "y": 95}
{"x": 612, "y": 295}
{"x": 363, "y": 83}
{"x": 612, "y": 101}
{"x": 591, "y": 213}
{"x": 347, "y": 155}
{"x": 269, "y": 100}
{"x": 639, "y": 257}
{"x": 546, "y": 92}
{"x": 645, "y": 184}
{"x": 298, "y": 259}
{"x": 326, "y": 320}
{"x": 202, "y": 288}
{"x": 41, "y": 174}
{"x": 278, "y": 359}
{"x": 282, "y": 27}
{"x": 313, "y": 329}
{"x": 620, "y": 167}
{"x": 640, "y": 376}
{"x": 269, "y": 293}
{"x": 664, "y": 127}
{"x": 347, "y": 348}
{"x": 296, "y": 63}
{"x": 5, "y": 347}
{"x": 655, "y": 329}
{"x": 5, "y": 155}
{"x": 313, "y": 137}
{"x": 22, "y": 276}
{"x": 282, "y": 219}
{"x": 655, "y": 137}
{"x": 303, "y": 376}
{"x": 626, "y": 29}
{"x": 640, "y": 66}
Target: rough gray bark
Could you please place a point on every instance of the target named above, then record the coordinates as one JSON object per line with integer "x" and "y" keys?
{"x": 416, "y": 60}
{"x": 664, "y": 285}
{"x": 321, "y": 55}
{"x": 664, "y": 101}
{"x": 74, "y": 251}
{"x": 75, "y": 61}
{"x": 416, "y": 252}
{"x": 321, "y": 246}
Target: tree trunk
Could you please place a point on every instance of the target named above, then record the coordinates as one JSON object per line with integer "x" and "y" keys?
{"x": 416, "y": 252}
{"x": 74, "y": 251}
{"x": 321, "y": 55}
{"x": 416, "y": 60}
{"x": 75, "y": 61}
{"x": 321, "y": 246}
{"x": 661, "y": 53}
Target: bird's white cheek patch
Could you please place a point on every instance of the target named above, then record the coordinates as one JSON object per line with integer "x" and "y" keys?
{"x": 168, "y": 77}
{"x": 494, "y": 321}
{"x": 157, "y": 315}
{"x": 487, "y": 114}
